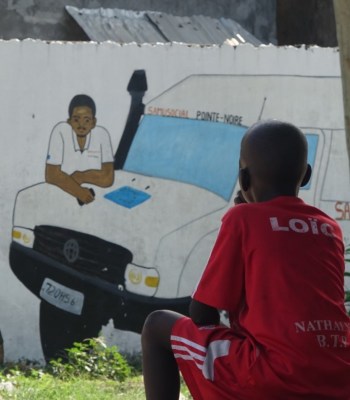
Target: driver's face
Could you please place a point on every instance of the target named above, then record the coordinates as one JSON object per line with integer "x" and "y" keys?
{"x": 82, "y": 120}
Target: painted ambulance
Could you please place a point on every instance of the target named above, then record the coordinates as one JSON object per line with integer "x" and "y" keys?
{"x": 143, "y": 243}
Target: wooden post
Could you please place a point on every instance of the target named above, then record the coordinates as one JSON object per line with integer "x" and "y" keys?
{"x": 1, "y": 351}
{"x": 342, "y": 17}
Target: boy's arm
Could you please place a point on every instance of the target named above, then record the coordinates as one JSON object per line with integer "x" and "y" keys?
{"x": 202, "y": 314}
{"x": 221, "y": 286}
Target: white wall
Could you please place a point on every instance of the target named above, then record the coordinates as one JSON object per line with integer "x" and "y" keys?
{"x": 37, "y": 81}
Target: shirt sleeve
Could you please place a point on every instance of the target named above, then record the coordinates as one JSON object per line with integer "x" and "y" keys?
{"x": 106, "y": 147}
{"x": 222, "y": 283}
{"x": 55, "y": 151}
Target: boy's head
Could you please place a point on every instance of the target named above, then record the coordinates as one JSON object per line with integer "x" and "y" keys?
{"x": 82, "y": 110}
{"x": 273, "y": 161}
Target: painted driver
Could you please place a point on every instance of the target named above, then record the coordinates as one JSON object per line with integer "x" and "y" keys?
{"x": 80, "y": 152}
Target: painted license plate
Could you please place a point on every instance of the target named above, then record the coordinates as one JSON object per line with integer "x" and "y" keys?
{"x": 62, "y": 297}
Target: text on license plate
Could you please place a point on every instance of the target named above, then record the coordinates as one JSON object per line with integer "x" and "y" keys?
{"x": 62, "y": 297}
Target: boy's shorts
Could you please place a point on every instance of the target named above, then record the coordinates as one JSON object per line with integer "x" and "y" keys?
{"x": 219, "y": 364}
{"x": 214, "y": 361}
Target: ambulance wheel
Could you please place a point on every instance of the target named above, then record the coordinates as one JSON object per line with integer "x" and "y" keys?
{"x": 60, "y": 329}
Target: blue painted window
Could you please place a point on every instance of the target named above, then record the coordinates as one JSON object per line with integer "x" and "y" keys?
{"x": 201, "y": 153}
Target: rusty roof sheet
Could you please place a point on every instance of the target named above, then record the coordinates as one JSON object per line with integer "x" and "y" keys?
{"x": 125, "y": 26}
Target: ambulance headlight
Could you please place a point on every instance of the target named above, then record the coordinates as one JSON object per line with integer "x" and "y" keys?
{"x": 23, "y": 236}
{"x": 140, "y": 280}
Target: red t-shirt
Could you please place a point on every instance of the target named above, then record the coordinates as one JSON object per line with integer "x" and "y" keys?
{"x": 278, "y": 268}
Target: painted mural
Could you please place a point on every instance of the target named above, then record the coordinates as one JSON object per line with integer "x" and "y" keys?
{"x": 76, "y": 273}
{"x": 119, "y": 164}
{"x": 131, "y": 230}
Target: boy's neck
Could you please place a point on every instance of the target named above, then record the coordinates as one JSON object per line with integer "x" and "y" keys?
{"x": 272, "y": 193}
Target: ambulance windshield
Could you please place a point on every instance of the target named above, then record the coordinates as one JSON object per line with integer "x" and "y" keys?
{"x": 201, "y": 153}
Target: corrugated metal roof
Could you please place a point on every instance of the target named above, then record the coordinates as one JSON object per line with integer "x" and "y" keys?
{"x": 125, "y": 26}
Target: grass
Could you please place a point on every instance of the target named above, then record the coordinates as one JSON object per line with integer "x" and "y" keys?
{"x": 89, "y": 371}
{"x": 47, "y": 387}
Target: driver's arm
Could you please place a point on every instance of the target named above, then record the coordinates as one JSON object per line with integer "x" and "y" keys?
{"x": 103, "y": 177}
{"x": 55, "y": 176}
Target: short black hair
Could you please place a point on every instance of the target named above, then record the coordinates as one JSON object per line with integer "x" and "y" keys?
{"x": 81, "y": 100}
{"x": 277, "y": 152}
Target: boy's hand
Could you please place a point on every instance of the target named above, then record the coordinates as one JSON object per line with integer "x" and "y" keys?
{"x": 202, "y": 314}
{"x": 239, "y": 199}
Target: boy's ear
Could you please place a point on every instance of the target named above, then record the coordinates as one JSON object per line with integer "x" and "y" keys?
{"x": 244, "y": 179}
{"x": 307, "y": 176}
{"x": 94, "y": 121}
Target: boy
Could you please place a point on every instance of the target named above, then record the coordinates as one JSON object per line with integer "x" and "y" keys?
{"x": 277, "y": 268}
{"x": 80, "y": 152}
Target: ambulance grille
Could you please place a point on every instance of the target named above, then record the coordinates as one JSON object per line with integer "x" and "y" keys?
{"x": 83, "y": 252}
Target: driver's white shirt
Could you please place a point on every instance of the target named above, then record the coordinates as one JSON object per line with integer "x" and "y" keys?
{"x": 64, "y": 149}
